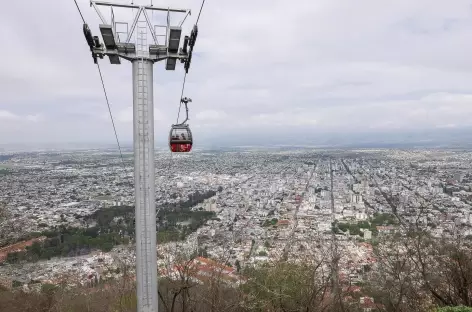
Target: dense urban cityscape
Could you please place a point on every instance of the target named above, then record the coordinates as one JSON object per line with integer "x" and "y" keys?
{"x": 70, "y": 214}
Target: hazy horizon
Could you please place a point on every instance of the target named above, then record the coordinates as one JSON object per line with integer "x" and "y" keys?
{"x": 447, "y": 138}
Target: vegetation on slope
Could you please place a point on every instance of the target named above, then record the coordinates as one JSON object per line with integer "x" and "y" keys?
{"x": 398, "y": 285}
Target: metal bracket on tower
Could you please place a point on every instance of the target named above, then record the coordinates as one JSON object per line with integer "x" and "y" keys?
{"x": 114, "y": 49}
{"x": 190, "y": 41}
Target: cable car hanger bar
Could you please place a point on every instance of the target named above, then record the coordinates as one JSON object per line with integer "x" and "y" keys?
{"x": 185, "y": 100}
{"x": 132, "y": 6}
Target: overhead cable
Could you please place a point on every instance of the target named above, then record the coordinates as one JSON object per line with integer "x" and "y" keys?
{"x": 201, "y": 8}
{"x": 106, "y": 98}
{"x": 80, "y": 12}
{"x": 111, "y": 115}
{"x": 185, "y": 76}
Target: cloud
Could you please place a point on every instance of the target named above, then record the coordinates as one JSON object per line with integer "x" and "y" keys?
{"x": 210, "y": 115}
{"x": 9, "y": 116}
{"x": 126, "y": 115}
{"x": 319, "y": 66}
{"x": 447, "y": 126}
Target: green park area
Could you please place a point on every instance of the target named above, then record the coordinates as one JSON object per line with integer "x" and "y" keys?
{"x": 379, "y": 219}
{"x": 115, "y": 226}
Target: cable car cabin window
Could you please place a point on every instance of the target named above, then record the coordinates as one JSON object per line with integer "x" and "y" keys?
{"x": 180, "y": 140}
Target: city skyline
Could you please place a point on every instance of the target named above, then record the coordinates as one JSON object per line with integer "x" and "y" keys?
{"x": 237, "y": 210}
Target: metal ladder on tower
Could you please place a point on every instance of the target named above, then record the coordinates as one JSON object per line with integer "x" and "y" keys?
{"x": 143, "y": 136}
{"x": 141, "y": 41}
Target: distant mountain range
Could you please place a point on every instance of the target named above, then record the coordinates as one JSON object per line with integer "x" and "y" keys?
{"x": 425, "y": 138}
{"x": 446, "y": 137}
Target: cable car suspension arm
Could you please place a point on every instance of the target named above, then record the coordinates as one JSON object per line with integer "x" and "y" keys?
{"x": 189, "y": 43}
{"x": 185, "y": 100}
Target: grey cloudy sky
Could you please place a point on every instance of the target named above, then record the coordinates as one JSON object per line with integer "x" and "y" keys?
{"x": 306, "y": 65}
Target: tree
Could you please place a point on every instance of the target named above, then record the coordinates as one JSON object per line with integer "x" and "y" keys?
{"x": 48, "y": 288}
{"x": 455, "y": 309}
{"x": 16, "y": 283}
{"x": 237, "y": 265}
{"x": 36, "y": 248}
{"x": 418, "y": 269}
{"x": 285, "y": 286}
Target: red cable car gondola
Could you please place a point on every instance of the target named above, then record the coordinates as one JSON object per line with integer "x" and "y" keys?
{"x": 180, "y": 137}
